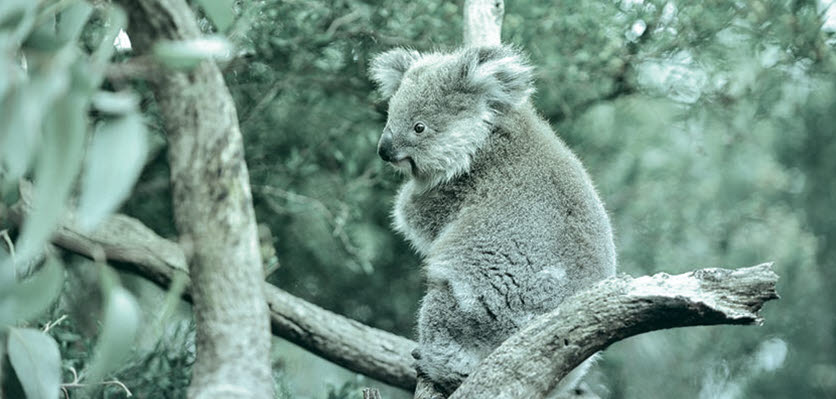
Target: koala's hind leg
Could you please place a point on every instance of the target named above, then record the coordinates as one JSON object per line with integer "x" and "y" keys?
{"x": 444, "y": 355}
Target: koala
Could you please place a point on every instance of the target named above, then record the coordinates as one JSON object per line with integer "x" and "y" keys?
{"x": 504, "y": 215}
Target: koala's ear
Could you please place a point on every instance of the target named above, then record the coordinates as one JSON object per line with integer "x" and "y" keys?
{"x": 388, "y": 69}
{"x": 501, "y": 73}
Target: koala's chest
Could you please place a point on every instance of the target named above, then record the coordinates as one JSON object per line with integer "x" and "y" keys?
{"x": 421, "y": 216}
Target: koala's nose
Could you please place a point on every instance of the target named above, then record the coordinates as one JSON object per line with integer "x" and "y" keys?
{"x": 386, "y": 148}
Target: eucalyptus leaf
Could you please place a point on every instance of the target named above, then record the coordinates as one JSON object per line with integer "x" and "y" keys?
{"x": 11, "y": 71}
{"x": 114, "y": 160}
{"x": 185, "y": 54}
{"x": 116, "y": 20}
{"x": 25, "y": 300}
{"x": 18, "y": 15}
{"x": 115, "y": 103}
{"x": 18, "y": 133}
{"x": 23, "y": 111}
{"x": 118, "y": 333}
{"x": 58, "y": 164}
{"x": 72, "y": 20}
{"x": 36, "y": 360}
{"x": 7, "y": 275}
{"x": 43, "y": 37}
{"x": 220, "y": 12}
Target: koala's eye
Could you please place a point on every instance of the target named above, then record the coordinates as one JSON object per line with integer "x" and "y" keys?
{"x": 419, "y": 127}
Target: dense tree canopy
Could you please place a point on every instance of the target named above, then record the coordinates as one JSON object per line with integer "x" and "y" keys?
{"x": 708, "y": 128}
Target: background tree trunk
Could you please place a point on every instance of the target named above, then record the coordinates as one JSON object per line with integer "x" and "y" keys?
{"x": 213, "y": 212}
{"x": 483, "y": 22}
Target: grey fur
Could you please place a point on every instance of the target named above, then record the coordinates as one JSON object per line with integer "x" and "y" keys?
{"x": 504, "y": 214}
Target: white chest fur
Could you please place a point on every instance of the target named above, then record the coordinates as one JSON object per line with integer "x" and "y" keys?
{"x": 418, "y": 237}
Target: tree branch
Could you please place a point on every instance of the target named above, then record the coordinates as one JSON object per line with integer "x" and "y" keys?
{"x": 348, "y": 343}
{"x": 213, "y": 211}
{"x": 526, "y": 365}
{"x": 620, "y": 308}
{"x": 530, "y": 363}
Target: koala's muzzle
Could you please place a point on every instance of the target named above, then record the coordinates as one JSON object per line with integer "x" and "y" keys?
{"x": 386, "y": 148}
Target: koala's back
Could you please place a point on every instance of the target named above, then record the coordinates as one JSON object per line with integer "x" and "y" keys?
{"x": 504, "y": 214}
{"x": 526, "y": 218}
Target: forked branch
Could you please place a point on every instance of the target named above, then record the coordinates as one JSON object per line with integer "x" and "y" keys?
{"x": 530, "y": 363}
{"x": 526, "y": 365}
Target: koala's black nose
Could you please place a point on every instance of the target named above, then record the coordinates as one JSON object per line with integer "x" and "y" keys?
{"x": 386, "y": 149}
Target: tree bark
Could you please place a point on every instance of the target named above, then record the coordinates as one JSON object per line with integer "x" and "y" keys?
{"x": 212, "y": 201}
{"x": 213, "y": 212}
{"x": 483, "y": 22}
{"x": 526, "y": 365}
{"x": 353, "y": 345}
{"x": 532, "y": 361}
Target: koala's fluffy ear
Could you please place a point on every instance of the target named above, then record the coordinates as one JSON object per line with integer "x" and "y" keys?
{"x": 388, "y": 69}
{"x": 501, "y": 73}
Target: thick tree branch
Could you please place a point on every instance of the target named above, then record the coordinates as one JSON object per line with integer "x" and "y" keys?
{"x": 213, "y": 211}
{"x": 376, "y": 353}
{"x": 530, "y": 363}
{"x": 366, "y": 350}
{"x": 526, "y": 365}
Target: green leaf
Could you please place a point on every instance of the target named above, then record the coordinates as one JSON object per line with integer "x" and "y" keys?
{"x": 27, "y": 299}
{"x": 114, "y": 160}
{"x": 116, "y": 103}
{"x": 220, "y": 12}
{"x": 58, "y": 164}
{"x": 72, "y": 20}
{"x": 119, "y": 328}
{"x": 36, "y": 360}
{"x": 18, "y": 14}
{"x": 43, "y": 37}
{"x": 7, "y": 275}
{"x": 186, "y": 54}
{"x": 115, "y": 21}
{"x": 23, "y": 111}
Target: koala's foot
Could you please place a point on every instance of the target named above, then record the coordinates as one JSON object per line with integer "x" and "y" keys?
{"x": 442, "y": 372}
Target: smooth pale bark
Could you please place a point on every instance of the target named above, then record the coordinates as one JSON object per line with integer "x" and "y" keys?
{"x": 483, "y": 22}
{"x": 213, "y": 211}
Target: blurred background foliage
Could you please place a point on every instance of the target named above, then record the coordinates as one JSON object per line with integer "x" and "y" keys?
{"x": 707, "y": 126}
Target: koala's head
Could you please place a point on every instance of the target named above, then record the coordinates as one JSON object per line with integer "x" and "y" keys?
{"x": 442, "y": 106}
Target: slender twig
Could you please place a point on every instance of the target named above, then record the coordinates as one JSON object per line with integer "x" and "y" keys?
{"x": 50, "y": 324}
